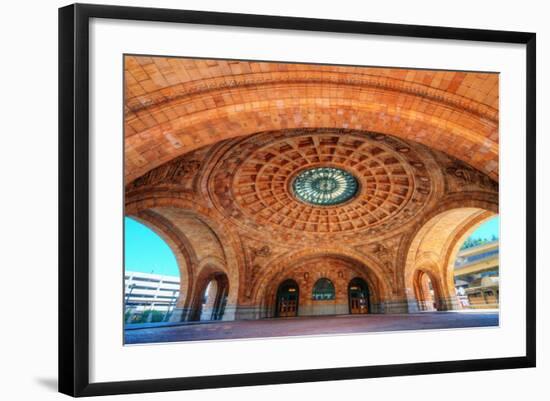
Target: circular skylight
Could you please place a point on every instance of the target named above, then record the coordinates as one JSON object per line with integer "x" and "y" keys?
{"x": 324, "y": 186}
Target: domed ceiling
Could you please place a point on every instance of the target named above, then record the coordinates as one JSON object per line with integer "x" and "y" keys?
{"x": 312, "y": 182}
{"x": 258, "y": 167}
{"x": 317, "y": 185}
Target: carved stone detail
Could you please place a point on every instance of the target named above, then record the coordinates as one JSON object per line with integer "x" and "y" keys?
{"x": 465, "y": 175}
{"x": 263, "y": 252}
{"x": 170, "y": 173}
{"x": 251, "y": 183}
{"x": 201, "y": 87}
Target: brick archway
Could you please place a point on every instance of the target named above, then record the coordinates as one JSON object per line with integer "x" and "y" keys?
{"x": 180, "y": 247}
{"x": 227, "y": 257}
{"x": 213, "y": 149}
{"x": 424, "y": 299}
{"x": 216, "y": 274}
{"x": 432, "y": 249}
{"x": 204, "y": 102}
{"x": 339, "y": 266}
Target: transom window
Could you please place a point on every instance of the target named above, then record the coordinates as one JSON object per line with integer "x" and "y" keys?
{"x": 323, "y": 290}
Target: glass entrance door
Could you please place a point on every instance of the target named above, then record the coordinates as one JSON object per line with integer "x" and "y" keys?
{"x": 287, "y": 299}
{"x": 358, "y": 296}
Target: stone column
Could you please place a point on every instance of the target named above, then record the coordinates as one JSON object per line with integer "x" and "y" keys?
{"x": 411, "y": 302}
{"x": 392, "y": 306}
{"x": 449, "y": 303}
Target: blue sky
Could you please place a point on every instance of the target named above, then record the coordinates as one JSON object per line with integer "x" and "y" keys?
{"x": 487, "y": 229}
{"x": 146, "y": 252}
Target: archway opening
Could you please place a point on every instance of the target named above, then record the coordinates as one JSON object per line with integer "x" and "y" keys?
{"x": 425, "y": 292}
{"x": 433, "y": 251}
{"x": 324, "y": 282}
{"x": 358, "y": 293}
{"x": 476, "y": 267}
{"x": 287, "y": 301}
{"x": 214, "y": 298}
{"x": 151, "y": 275}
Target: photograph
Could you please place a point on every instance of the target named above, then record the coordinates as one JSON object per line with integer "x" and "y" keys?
{"x": 267, "y": 199}
{"x": 275, "y": 200}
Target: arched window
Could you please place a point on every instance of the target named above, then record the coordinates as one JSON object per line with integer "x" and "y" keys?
{"x": 323, "y": 290}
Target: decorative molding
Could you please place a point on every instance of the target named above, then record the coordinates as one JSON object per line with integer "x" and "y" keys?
{"x": 465, "y": 175}
{"x": 178, "y": 92}
{"x": 263, "y": 252}
{"x": 251, "y": 182}
{"x": 170, "y": 173}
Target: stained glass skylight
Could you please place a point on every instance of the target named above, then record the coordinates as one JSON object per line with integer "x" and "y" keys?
{"x": 324, "y": 186}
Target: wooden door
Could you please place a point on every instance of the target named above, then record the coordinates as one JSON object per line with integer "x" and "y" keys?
{"x": 287, "y": 299}
{"x": 287, "y": 307}
{"x": 358, "y": 297}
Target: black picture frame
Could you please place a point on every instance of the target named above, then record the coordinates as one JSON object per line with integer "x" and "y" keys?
{"x": 74, "y": 198}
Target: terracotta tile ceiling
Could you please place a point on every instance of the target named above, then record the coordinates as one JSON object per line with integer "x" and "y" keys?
{"x": 176, "y": 105}
{"x": 261, "y": 169}
{"x": 248, "y": 184}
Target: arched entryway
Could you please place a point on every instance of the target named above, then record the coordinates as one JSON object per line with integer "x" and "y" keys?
{"x": 214, "y": 298}
{"x": 287, "y": 301}
{"x": 156, "y": 272}
{"x": 308, "y": 271}
{"x": 358, "y": 294}
{"x": 432, "y": 253}
{"x": 476, "y": 268}
{"x": 200, "y": 243}
{"x": 425, "y": 292}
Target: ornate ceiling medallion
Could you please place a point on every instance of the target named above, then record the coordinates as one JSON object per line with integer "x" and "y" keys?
{"x": 324, "y": 186}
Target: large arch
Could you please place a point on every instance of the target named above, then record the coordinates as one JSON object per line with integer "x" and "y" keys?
{"x": 213, "y": 146}
{"x": 183, "y": 252}
{"x": 179, "y": 117}
{"x": 210, "y": 244}
{"x": 433, "y": 248}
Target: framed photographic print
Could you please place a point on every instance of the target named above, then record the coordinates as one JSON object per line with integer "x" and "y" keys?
{"x": 275, "y": 199}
